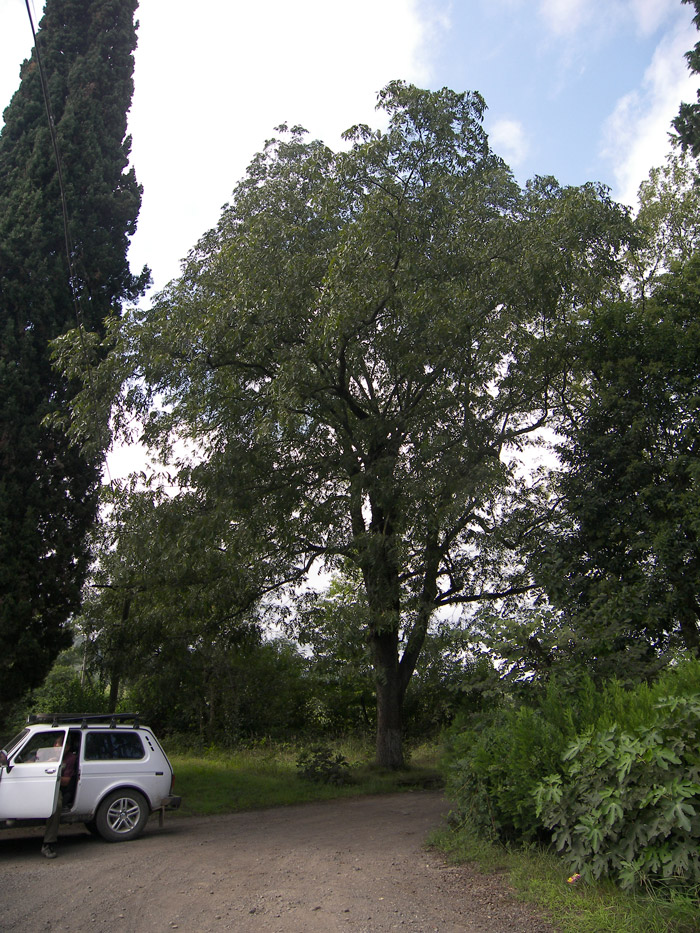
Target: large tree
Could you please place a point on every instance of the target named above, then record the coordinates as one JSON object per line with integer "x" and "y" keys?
{"x": 68, "y": 205}
{"x": 626, "y": 560}
{"x": 359, "y": 351}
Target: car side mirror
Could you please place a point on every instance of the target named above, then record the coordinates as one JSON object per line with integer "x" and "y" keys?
{"x": 4, "y": 763}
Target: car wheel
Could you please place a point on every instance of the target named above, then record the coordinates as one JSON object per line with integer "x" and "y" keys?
{"x": 121, "y": 815}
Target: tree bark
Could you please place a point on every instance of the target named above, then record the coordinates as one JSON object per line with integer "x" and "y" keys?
{"x": 117, "y": 658}
{"x": 381, "y": 576}
{"x": 389, "y": 700}
{"x": 114, "y": 684}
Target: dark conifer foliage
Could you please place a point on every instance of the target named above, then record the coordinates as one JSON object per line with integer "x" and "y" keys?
{"x": 627, "y": 562}
{"x": 687, "y": 123}
{"x": 48, "y": 490}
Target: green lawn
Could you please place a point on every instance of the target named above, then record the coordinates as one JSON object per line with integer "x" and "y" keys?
{"x": 224, "y": 782}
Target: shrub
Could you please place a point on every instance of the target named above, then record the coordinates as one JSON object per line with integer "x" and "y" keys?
{"x": 628, "y": 802}
{"x": 321, "y": 766}
{"x": 496, "y": 767}
{"x": 496, "y": 758}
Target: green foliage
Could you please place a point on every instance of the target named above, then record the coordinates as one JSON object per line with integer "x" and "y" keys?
{"x": 331, "y": 625}
{"x": 164, "y": 615}
{"x": 497, "y": 756}
{"x": 628, "y": 803}
{"x": 624, "y": 561}
{"x": 435, "y": 694}
{"x": 340, "y": 679}
{"x": 320, "y": 765}
{"x": 538, "y": 877}
{"x": 668, "y": 219}
{"x": 48, "y": 490}
{"x": 64, "y": 691}
{"x": 621, "y": 563}
{"x": 687, "y": 123}
{"x": 353, "y": 350}
{"x": 494, "y": 766}
{"x": 224, "y": 694}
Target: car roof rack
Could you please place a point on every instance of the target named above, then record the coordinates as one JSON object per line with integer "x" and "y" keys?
{"x": 57, "y": 719}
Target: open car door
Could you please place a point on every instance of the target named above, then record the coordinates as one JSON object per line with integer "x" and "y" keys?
{"x": 29, "y": 783}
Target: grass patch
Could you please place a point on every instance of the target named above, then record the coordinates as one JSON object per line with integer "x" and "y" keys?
{"x": 219, "y": 781}
{"x": 540, "y": 878}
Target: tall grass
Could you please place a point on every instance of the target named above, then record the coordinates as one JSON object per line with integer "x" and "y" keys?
{"x": 265, "y": 775}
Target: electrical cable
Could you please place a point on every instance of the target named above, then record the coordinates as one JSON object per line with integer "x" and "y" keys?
{"x": 72, "y": 278}
{"x": 59, "y": 169}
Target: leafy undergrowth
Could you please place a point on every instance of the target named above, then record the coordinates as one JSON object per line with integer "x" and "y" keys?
{"x": 626, "y": 805}
{"x": 541, "y": 878}
{"x": 247, "y": 779}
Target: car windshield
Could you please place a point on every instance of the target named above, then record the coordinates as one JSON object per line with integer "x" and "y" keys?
{"x": 11, "y": 746}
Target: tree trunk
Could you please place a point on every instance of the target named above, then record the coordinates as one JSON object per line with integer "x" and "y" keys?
{"x": 118, "y": 657}
{"x": 382, "y": 596}
{"x": 389, "y": 701}
{"x": 114, "y": 684}
{"x": 380, "y": 572}
{"x": 691, "y": 634}
{"x": 384, "y": 642}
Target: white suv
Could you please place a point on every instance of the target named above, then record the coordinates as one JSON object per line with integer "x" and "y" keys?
{"x": 122, "y": 774}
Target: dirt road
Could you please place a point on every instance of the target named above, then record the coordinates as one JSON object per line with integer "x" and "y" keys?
{"x": 352, "y": 866}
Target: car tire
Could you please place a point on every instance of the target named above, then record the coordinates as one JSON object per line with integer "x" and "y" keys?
{"x": 122, "y": 815}
{"x": 91, "y": 827}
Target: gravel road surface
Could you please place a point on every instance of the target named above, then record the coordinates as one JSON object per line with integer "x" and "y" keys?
{"x": 349, "y": 866}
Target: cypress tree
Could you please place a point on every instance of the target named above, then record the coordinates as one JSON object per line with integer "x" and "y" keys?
{"x": 48, "y": 490}
{"x": 687, "y": 123}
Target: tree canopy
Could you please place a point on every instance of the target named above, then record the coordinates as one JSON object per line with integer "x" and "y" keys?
{"x": 359, "y": 354}
{"x": 626, "y": 558}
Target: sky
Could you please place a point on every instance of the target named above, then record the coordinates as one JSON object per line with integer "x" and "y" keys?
{"x": 581, "y": 89}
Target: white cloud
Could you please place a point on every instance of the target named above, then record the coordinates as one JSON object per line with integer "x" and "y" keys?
{"x": 636, "y": 132}
{"x": 564, "y": 17}
{"x": 649, "y": 15}
{"x": 212, "y": 81}
{"x": 509, "y": 140}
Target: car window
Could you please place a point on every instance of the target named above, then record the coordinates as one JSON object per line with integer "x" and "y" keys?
{"x": 111, "y": 746}
{"x": 42, "y": 746}
{"x": 12, "y": 745}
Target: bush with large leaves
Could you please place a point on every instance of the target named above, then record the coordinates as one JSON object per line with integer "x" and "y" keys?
{"x": 628, "y": 803}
